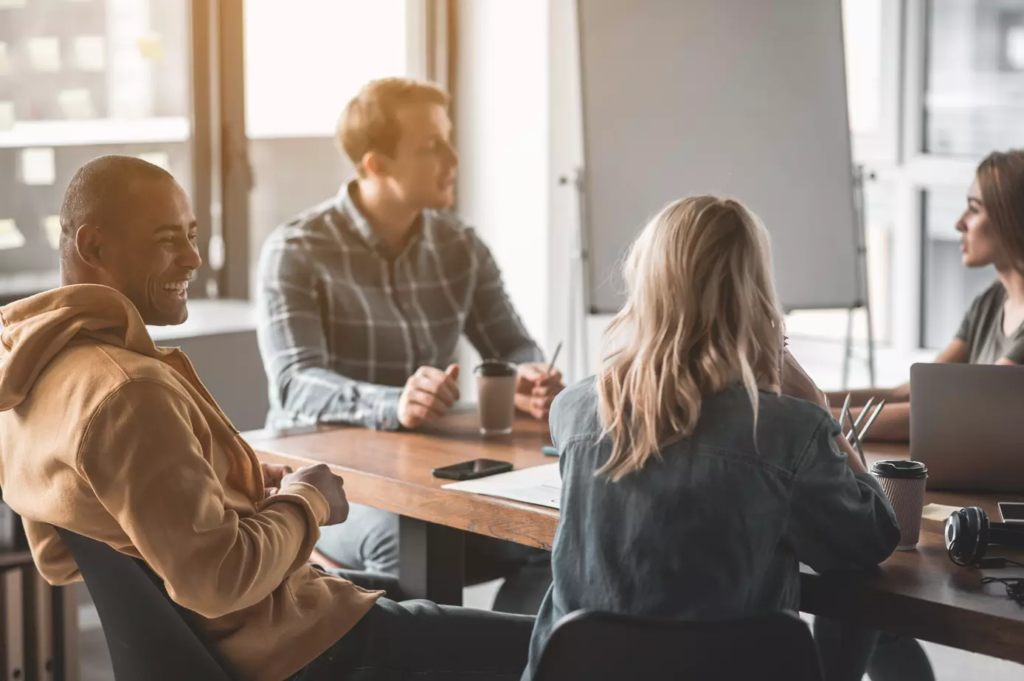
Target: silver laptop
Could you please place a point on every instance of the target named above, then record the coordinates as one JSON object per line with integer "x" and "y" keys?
{"x": 967, "y": 425}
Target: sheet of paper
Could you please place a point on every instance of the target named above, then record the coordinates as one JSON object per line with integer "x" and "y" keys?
{"x": 44, "y": 54}
{"x": 157, "y": 158}
{"x": 5, "y": 60}
{"x": 10, "y": 235}
{"x": 90, "y": 52}
{"x": 6, "y": 4}
{"x": 6, "y": 116}
{"x": 76, "y": 103}
{"x": 51, "y": 226}
{"x": 938, "y": 512}
{"x": 540, "y": 485}
{"x": 38, "y": 167}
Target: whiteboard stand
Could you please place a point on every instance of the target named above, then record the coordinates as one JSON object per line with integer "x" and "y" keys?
{"x": 578, "y": 342}
{"x": 860, "y": 238}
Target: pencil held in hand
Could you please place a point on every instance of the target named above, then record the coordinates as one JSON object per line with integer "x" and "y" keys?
{"x": 554, "y": 358}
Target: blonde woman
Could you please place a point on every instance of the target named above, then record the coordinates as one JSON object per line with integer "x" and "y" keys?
{"x": 695, "y": 479}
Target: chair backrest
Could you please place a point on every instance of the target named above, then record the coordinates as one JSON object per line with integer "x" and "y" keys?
{"x": 147, "y": 634}
{"x": 599, "y": 646}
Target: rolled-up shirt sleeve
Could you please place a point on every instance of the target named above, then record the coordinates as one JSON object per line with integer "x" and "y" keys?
{"x": 838, "y": 520}
{"x": 963, "y": 332}
{"x": 294, "y": 348}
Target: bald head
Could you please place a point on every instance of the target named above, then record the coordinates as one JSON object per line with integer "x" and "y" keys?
{"x": 100, "y": 194}
{"x": 127, "y": 224}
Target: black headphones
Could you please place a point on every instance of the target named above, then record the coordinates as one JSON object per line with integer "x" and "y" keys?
{"x": 969, "y": 533}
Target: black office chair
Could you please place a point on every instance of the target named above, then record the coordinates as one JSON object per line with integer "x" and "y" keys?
{"x": 147, "y": 633}
{"x": 599, "y": 646}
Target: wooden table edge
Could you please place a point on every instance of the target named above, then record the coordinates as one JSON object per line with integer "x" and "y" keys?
{"x": 844, "y": 597}
{"x": 847, "y": 599}
{"x": 514, "y": 521}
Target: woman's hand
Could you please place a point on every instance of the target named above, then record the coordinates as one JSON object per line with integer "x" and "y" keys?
{"x": 796, "y": 382}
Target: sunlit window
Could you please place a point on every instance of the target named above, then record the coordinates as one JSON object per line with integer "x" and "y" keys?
{"x": 303, "y": 64}
{"x": 96, "y": 77}
{"x": 862, "y": 28}
{"x": 974, "y": 100}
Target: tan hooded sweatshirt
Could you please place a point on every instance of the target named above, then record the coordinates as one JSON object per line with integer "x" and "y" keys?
{"x": 109, "y": 436}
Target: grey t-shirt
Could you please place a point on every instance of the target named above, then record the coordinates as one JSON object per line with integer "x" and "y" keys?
{"x": 982, "y": 330}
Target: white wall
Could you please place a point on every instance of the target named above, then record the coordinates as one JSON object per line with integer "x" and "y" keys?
{"x": 565, "y": 158}
{"x": 502, "y": 131}
{"x": 519, "y": 131}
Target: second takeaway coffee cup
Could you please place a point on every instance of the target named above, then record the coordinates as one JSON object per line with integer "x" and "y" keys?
{"x": 496, "y": 392}
{"x": 903, "y": 483}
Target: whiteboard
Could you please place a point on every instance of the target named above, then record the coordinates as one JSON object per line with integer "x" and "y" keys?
{"x": 742, "y": 98}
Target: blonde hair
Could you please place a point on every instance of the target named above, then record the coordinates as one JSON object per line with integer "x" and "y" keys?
{"x": 369, "y": 123}
{"x": 701, "y": 314}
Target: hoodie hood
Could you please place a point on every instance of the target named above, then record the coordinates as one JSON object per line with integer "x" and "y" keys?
{"x": 36, "y": 329}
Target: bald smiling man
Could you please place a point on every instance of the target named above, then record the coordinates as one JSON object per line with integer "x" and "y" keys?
{"x": 109, "y": 436}
{"x": 126, "y": 224}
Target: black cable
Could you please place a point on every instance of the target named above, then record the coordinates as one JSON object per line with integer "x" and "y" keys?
{"x": 1014, "y": 587}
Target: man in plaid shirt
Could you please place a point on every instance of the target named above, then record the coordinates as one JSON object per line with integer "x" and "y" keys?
{"x": 363, "y": 299}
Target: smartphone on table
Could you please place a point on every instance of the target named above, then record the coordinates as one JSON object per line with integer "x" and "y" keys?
{"x": 1012, "y": 511}
{"x": 470, "y": 470}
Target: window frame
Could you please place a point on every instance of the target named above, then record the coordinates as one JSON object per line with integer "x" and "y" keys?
{"x": 428, "y": 34}
{"x": 200, "y": 16}
{"x": 922, "y": 171}
{"x": 895, "y": 154}
{"x": 881, "y": 147}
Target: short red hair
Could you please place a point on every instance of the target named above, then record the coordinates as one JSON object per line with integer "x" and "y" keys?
{"x": 369, "y": 122}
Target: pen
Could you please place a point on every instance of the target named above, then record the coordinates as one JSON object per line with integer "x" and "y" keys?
{"x": 867, "y": 426}
{"x": 856, "y": 439}
{"x": 845, "y": 409}
{"x": 554, "y": 358}
{"x": 860, "y": 417}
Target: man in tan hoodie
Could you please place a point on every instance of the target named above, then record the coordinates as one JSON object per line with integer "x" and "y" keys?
{"x": 107, "y": 435}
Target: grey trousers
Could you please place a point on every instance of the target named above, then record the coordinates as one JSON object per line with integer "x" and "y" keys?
{"x": 368, "y": 542}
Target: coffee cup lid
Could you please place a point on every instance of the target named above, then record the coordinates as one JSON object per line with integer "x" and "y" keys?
{"x": 906, "y": 470}
{"x": 495, "y": 367}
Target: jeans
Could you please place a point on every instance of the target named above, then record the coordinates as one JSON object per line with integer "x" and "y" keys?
{"x": 848, "y": 651}
{"x": 424, "y": 641}
{"x": 368, "y": 541}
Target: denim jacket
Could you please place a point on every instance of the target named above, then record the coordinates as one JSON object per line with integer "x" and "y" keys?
{"x": 715, "y": 526}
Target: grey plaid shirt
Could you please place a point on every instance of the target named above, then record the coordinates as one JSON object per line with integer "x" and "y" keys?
{"x": 342, "y": 326}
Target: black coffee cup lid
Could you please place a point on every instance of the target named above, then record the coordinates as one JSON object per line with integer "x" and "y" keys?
{"x": 900, "y": 468}
{"x": 495, "y": 367}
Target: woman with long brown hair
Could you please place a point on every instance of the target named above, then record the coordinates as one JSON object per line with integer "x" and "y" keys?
{"x": 992, "y": 332}
{"x": 700, "y": 467}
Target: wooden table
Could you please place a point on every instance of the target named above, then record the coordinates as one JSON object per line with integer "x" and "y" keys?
{"x": 392, "y": 472}
{"x": 918, "y": 593}
{"x": 922, "y": 593}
